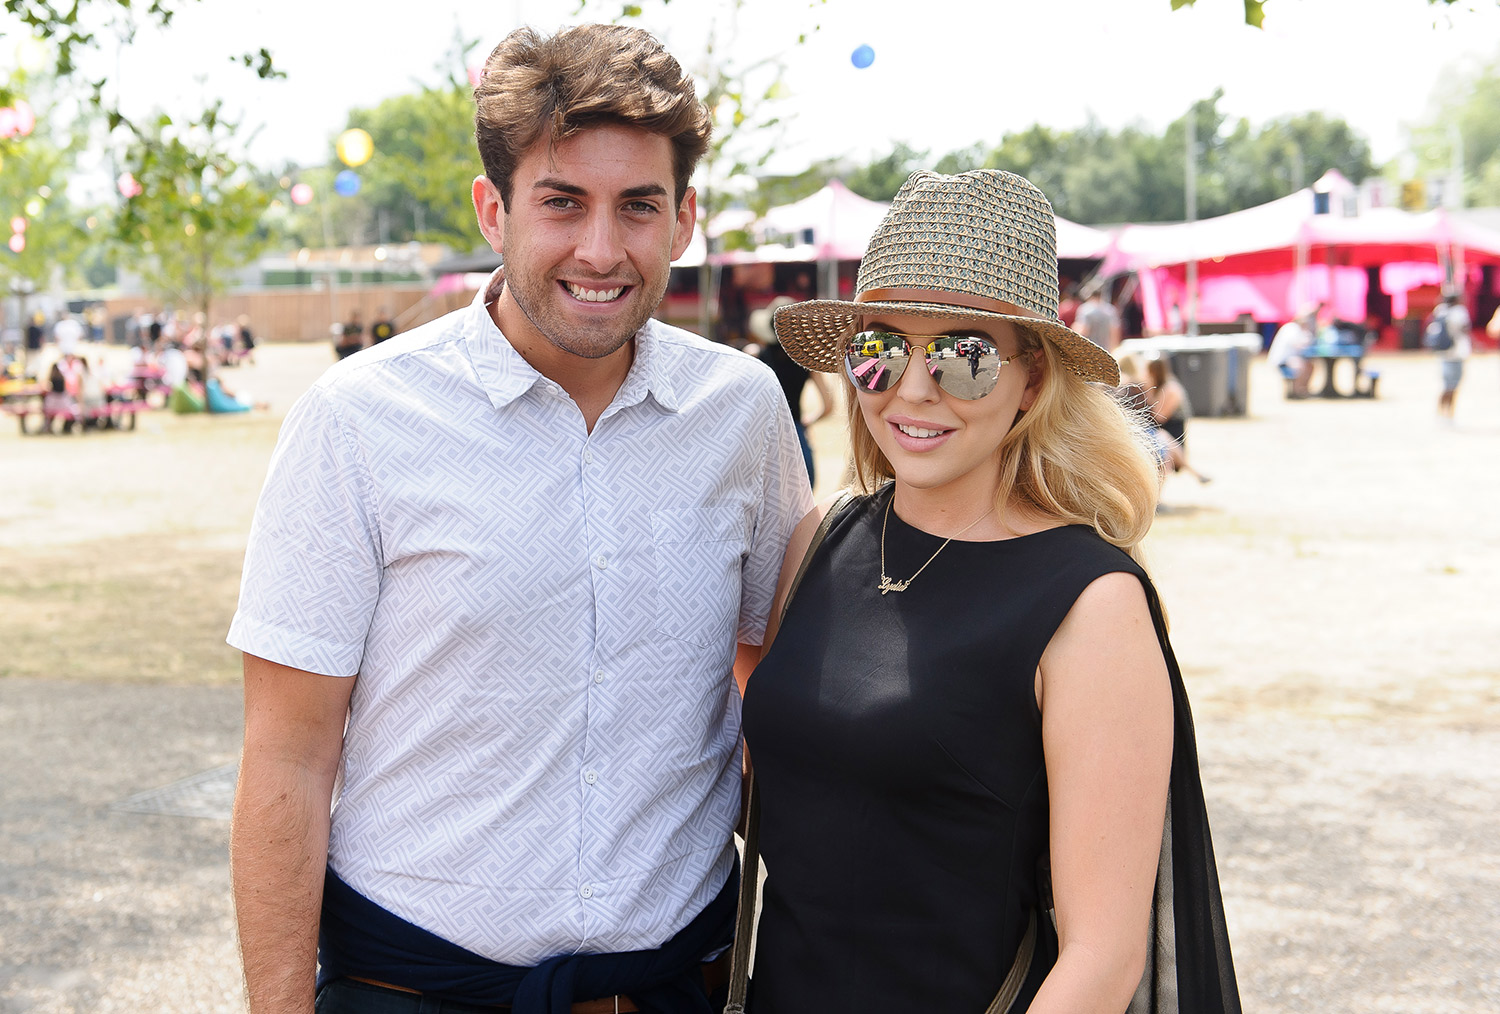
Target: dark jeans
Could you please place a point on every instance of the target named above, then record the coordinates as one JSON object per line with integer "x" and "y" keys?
{"x": 807, "y": 454}
{"x": 345, "y": 996}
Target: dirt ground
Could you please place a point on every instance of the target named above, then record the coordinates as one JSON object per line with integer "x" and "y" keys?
{"x": 1332, "y": 594}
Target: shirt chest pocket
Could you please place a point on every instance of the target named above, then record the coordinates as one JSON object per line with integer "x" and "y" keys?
{"x": 699, "y": 552}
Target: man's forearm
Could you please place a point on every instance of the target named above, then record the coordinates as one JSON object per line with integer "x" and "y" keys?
{"x": 278, "y": 854}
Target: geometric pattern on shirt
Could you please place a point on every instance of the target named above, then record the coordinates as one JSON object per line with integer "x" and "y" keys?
{"x": 542, "y": 753}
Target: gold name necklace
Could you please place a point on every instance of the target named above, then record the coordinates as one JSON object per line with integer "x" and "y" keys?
{"x": 886, "y": 584}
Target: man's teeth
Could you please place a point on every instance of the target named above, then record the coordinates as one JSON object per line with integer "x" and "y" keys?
{"x": 595, "y": 295}
{"x": 916, "y": 431}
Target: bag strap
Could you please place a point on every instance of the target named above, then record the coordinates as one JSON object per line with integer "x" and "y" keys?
{"x": 739, "y": 961}
{"x": 744, "y": 923}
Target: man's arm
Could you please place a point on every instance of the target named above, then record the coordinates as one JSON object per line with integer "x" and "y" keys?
{"x": 278, "y": 846}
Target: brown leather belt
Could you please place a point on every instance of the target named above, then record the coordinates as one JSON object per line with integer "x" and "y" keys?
{"x": 715, "y": 974}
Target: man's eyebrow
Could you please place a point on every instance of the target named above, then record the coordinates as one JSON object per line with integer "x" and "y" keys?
{"x": 551, "y": 183}
{"x": 574, "y": 190}
{"x": 645, "y": 190}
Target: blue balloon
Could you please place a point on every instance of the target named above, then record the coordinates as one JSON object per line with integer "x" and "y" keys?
{"x": 862, "y": 57}
{"x": 346, "y": 183}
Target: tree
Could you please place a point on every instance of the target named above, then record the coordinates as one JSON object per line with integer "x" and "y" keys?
{"x": 880, "y": 180}
{"x": 67, "y": 24}
{"x": 417, "y": 184}
{"x": 1098, "y": 176}
{"x": 195, "y": 215}
{"x": 1463, "y": 111}
{"x": 1288, "y": 154}
{"x": 1255, "y": 9}
{"x": 34, "y": 171}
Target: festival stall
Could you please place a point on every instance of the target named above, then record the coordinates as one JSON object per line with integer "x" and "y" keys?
{"x": 1314, "y": 245}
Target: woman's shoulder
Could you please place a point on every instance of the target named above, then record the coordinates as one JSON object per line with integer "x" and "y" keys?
{"x": 1078, "y": 553}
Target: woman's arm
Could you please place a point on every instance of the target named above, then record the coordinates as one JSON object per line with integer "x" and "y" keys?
{"x": 1166, "y": 400}
{"x": 1106, "y": 705}
{"x": 825, "y": 397}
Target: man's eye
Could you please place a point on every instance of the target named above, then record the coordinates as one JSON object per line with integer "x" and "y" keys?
{"x": 641, "y": 207}
{"x": 560, "y": 202}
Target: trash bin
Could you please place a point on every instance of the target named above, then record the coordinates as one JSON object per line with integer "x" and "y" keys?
{"x": 1242, "y": 351}
{"x": 1213, "y": 369}
{"x": 1204, "y": 374}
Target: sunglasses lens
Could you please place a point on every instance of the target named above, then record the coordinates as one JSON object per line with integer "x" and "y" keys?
{"x": 964, "y": 366}
{"x": 875, "y": 360}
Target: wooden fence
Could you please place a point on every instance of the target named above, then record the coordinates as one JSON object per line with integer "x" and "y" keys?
{"x": 304, "y": 315}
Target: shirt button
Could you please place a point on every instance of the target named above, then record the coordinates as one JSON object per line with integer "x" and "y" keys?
{"x": 588, "y": 456}
{"x": 591, "y": 777}
{"x": 598, "y": 675}
{"x": 586, "y": 891}
{"x": 601, "y": 561}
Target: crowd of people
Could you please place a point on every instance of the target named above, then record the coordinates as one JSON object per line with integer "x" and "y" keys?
{"x": 172, "y": 362}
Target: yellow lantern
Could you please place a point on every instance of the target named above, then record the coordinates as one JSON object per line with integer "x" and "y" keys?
{"x": 355, "y": 147}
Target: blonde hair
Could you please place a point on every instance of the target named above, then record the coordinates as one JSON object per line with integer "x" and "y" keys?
{"x": 1075, "y": 456}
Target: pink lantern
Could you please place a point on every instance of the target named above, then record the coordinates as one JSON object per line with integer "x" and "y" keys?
{"x": 25, "y": 117}
{"x": 17, "y": 243}
{"x": 18, "y": 224}
{"x": 302, "y": 193}
{"x": 129, "y": 186}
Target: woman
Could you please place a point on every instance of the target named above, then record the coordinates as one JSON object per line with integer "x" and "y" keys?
{"x": 1167, "y": 401}
{"x": 969, "y": 722}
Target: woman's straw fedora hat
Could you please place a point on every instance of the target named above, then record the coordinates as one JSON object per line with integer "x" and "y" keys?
{"x": 981, "y": 245}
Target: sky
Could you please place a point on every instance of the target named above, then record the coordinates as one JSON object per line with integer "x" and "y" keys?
{"x": 946, "y": 73}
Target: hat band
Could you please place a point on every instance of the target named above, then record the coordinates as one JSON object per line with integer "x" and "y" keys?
{"x": 964, "y": 299}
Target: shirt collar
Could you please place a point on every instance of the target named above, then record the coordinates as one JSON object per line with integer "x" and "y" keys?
{"x": 506, "y": 375}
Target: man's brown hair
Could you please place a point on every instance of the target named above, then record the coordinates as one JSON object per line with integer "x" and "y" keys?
{"x": 582, "y": 77}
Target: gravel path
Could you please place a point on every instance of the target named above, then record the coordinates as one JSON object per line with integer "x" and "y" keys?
{"x": 1333, "y": 597}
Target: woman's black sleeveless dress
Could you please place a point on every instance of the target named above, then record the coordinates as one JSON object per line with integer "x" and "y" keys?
{"x": 898, "y": 755}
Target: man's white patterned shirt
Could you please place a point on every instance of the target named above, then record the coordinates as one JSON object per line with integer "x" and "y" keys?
{"x": 542, "y": 752}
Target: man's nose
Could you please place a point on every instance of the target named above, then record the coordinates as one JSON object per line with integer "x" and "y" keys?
{"x": 600, "y": 245}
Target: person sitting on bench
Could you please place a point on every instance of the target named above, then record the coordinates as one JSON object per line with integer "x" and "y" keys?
{"x": 1294, "y": 337}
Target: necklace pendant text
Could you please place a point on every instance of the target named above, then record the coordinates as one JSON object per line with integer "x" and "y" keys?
{"x": 887, "y": 585}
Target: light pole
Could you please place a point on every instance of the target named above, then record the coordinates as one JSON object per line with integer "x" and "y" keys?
{"x": 1190, "y": 186}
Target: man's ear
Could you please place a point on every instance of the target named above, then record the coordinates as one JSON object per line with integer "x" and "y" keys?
{"x": 687, "y": 220}
{"x": 490, "y": 211}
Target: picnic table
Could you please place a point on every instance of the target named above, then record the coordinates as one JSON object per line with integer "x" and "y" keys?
{"x": 1364, "y": 381}
{"x": 118, "y": 411}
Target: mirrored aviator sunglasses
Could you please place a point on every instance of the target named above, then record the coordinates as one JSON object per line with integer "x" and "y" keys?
{"x": 965, "y": 366}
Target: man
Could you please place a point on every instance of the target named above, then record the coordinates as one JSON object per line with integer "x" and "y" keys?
{"x": 1286, "y": 352}
{"x": 1098, "y": 320}
{"x": 791, "y": 376}
{"x": 383, "y": 327}
{"x": 535, "y": 529}
{"x": 1454, "y": 319}
{"x": 351, "y": 335}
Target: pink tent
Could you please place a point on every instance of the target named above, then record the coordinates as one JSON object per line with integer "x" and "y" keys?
{"x": 1269, "y": 259}
{"x": 835, "y": 221}
{"x": 1081, "y": 242}
{"x": 836, "y": 224}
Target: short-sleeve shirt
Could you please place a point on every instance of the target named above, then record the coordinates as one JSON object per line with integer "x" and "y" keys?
{"x": 542, "y": 754}
{"x": 1459, "y": 328}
